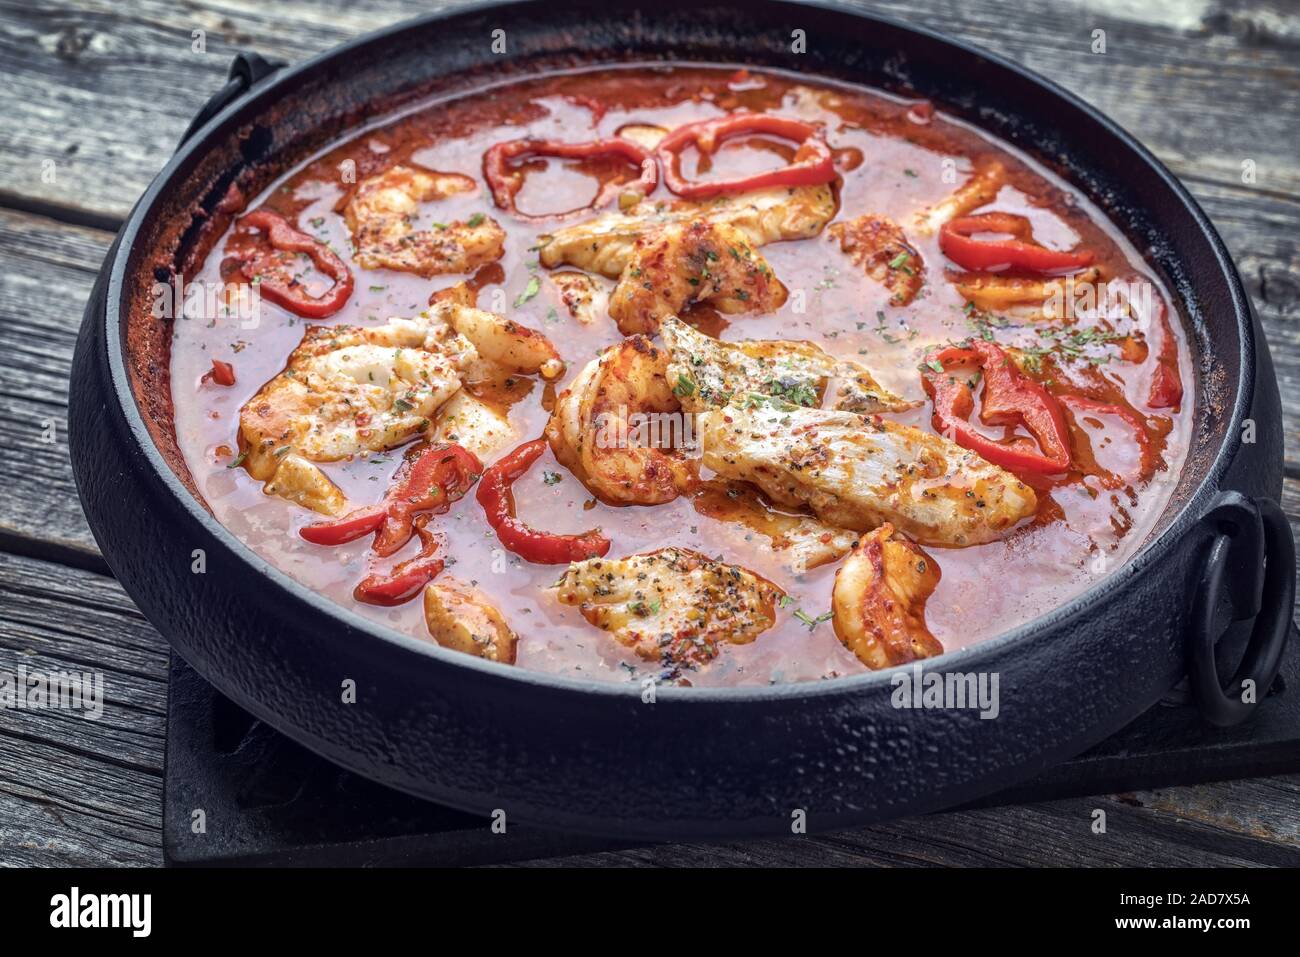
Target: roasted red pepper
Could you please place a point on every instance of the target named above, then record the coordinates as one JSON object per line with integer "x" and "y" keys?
{"x": 543, "y": 548}
{"x": 1019, "y": 252}
{"x": 222, "y": 373}
{"x": 506, "y": 182}
{"x": 276, "y": 283}
{"x": 812, "y": 166}
{"x": 407, "y": 579}
{"x": 1010, "y": 398}
{"x": 1082, "y": 405}
{"x": 429, "y": 480}
{"x": 1166, "y": 389}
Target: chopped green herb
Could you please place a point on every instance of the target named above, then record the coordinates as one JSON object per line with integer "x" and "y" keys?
{"x": 533, "y": 288}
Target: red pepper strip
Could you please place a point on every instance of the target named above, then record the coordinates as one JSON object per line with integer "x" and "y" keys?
{"x": 1020, "y": 252}
{"x": 285, "y": 238}
{"x": 223, "y": 373}
{"x": 812, "y": 166}
{"x": 505, "y": 182}
{"x": 1166, "y": 390}
{"x": 543, "y": 548}
{"x": 1082, "y": 405}
{"x": 406, "y": 580}
{"x": 429, "y": 480}
{"x": 1009, "y": 398}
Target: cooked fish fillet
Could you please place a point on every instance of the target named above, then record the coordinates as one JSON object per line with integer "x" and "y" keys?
{"x": 707, "y": 372}
{"x": 604, "y": 244}
{"x": 346, "y": 390}
{"x": 878, "y": 603}
{"x": 802, "y": 541}
{"x": 381, "y": 216}
{"x": 473, "y": 425}
{"x": 684, "y": 263}
{"x": 672, "y": 605}
{"x": 878, "y": 246}
{"x": 862, "y": 471}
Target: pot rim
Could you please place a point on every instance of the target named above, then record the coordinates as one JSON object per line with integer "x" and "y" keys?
{"x": 413, "y": 648}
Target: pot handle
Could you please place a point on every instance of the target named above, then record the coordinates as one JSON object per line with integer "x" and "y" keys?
{"x": 1252, "y": 559}
{"x": 246, "y": 70}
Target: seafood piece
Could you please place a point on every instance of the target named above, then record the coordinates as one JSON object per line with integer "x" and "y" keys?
{"x": 802, "y": 540}
{"x": 878, "y": 603}
{"x": 346, "y": 390}
{"x": 598, "y": 427}
{"x": 859, "y": 472}
{"x": 685, "y": 263}
{"x": 474, "y": 425}
{"x": 706, "y": 372}
{"x": 672, "y": 605}
{"x": 381, "y": 216}
{"x": 585, "y": 297}
{"x": 878, "y": 246}
{"x": 603, "y": 245}
{"x": 1047, "y": 298}
{"x": 460, "y": 617}
{"x": 980, "y": 190}
{"x": 501, "y": 341}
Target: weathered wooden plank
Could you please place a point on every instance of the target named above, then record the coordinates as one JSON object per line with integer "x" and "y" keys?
{"x": 46, "y": 272}
{"x": 1260, "y": 231}
{"x": 103, "y": 90}
{"x": 74, "y": 789}
{"x": 1216, "y": 825}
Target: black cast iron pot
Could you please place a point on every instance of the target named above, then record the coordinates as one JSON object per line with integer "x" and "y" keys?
{"x": 696, "y": 762}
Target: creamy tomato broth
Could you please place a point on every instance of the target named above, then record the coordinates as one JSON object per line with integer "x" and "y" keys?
{"x": 896, "y": 159}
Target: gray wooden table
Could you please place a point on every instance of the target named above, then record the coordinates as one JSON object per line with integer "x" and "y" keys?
{"x": 95, "y": 94}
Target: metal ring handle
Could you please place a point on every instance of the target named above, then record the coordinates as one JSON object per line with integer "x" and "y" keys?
{"x": 1220, "y": 704}
{"x": 246, "y": 70}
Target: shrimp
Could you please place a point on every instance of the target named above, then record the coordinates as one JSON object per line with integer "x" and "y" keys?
{"x": 684, "y": 263}
{"x": 501, "y": 341}
{"x": 598, "y": 428}
{"x": 878, "y": 602}
{"x": 460, "y": 617}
